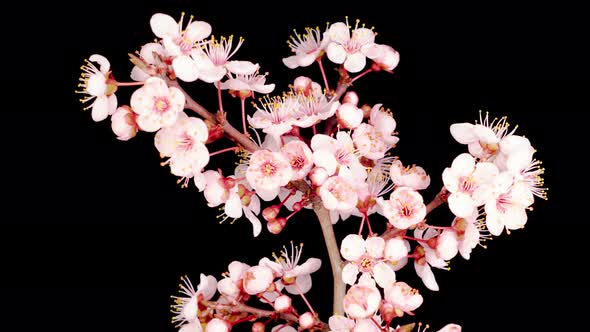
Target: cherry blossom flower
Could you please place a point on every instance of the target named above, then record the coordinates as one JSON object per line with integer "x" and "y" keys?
{"x": 447, "y": 244}
{"x": 384, "y": 56}
{"x": 307, "y": 48}
{"x": 231, "y": 285}
{"x": 156, "y": 104}
{"x": 184, "y": 144}
{"x": 257, "y": 279}
{"x": 150, "y": 54}
{"x": 300, "y": 157}
{"x": 275, "y": 116}
{"x": 483, "y": 138}
{"x": 404, "y": 208}
{"x": 361, "y": 301}
{"x": 294, "y": 276}
{"x": 403, "y": 297}
{"x": 365, "y": 256}
{"x": 213, "y": 63}
{"x": 377, "y": 184}
{"x": 348, "y": 49}
{"x": 396, "y": 250}
{"x": 411, "y": 176}
{"x": 470, "y": 184}
{"x": 313, "y": 106}
{"x": 186, "y": 308}
{"x": 267, "y": 172}
{"x": 96, "y": 84}
{"x": 337, "y": 193}
{"x": 339, "y": 323}
{"x": 508, "y": 206}
{"x": 218, "y": 325}
{"x": 384, "y": 123}
{"x": 244, "y": 86}
{"x": 123, "y": 123}
{"x": 332, "y": 154}
{"x": 427, "y": 257}
{"x": 349, "y": 116}
{"x": 468, "y": 234}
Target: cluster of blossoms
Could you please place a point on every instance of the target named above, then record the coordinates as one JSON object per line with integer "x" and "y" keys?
{"x": 321, "y": 149}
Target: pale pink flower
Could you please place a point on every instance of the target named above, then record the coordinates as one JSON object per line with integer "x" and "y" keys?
{"x": 318, "y": 175}
{"x": 300, "y": 157}
{"x": 384, "y": 123}
{"x": 294, "y": 276}
{"x": 267, "y": 172}
{"x": 450, "y": 328}
{"x": 384, "y": 56}
{"x": 404, "y": 208}
{"x": 369, "y": 143}
{"x": 231, "y": 285}
{"x": 470, "y": 184}
{"x": 179, "y": 40}
{"x": 307, "y": 48}
{"x": 257, "y": 279}
{"x": 306, "y": 321}
{"x": 304, "y": 85}
{"x": 123, "y": 123}
{"x": 186, "y": 308}
{"x": 282, "y": 303}
{"x": 365, "y": 256}
{"x": 95, "y": 83}
{"x": 283, "y": 328}
{"x": 183, "y": 143}
{"x": 427, "y": 257}
{"x": 213, "y": 62}
{"x": 468, "y": 234}
{"x": 338, "y": 194}
{"x": 349, "y": 49}
{"x": 245, "y": 85}
{"x": 150, "y": 54}
{"x": 338, "y": 323}
{"x": 332, "y": 154}
{"x": 156, "y": 104}
{"x": 403, "y": 297}
{"x": 410, "y": 176}
{"x": 218, "y": 325}
{"x": 275, "y": 116}
{"x": 349, "y": 116}
{"x": 313, "y": 106}
{"x": 447, "y": 244}
{"x": 367, "y": 325}
{"x": 483, "y": 138}
{"x": 507, "y": 208}
{"x": 361, "y": 301}
{"x": 396, "y": 249}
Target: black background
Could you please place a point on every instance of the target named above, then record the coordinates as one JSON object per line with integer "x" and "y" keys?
{"x": 95, "y": 234}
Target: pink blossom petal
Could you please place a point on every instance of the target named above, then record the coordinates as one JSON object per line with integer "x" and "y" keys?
{"x": 163, "y": 25}
{"x": 515, "y": 217}
{"x": 375, "y": 246}
{"x": 425, "y": 272}
{"x": 355, "y": 62}
{"x": 227, "y": 287}
{"x": 212, "y": 74}
{"x": 339, "y": 32}
{"x": 302, "y": 285}
{"x": 447, "y": 245}
{"x": 395, "y": 249}
{"x": 256, "y": 225}
{"x": 100, "y": 109}
{"x": 237, "y": 270}
{"x": 336, "y": 53}
{"x": 352, "y": 247}
{"x": 96, "y": 85}
{"x": 310, "y": 266}
{"x": 185, "y": 68}
{"x": 148, "y": 52}
{"x": 191, "y": 327}
{"x": 461, "y": 205}
{"x": 197, "y": 31}
{"x": 207, "y": 286}
{"x": 463, "y": 164}
{"x": 383, "y": 274}
{"x": 340, "y": 323}
{"x": 450, "y": 328}
{"x": 363, "y": 36}
{"x": 349, "y": 273}
{"x": 291, "y": 61}
{"x": 138, "y": 75}
{"x": 105, "y": 65}
{"x": 463, "y": 133}
{"x": 233, "y": 206}
{"x": 241, "y": 67}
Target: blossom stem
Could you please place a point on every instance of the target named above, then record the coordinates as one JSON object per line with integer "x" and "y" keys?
{"x": 129, "y": 83}
{"x": 369, "y": 225}
{"x": 243, "y": 104}
{"x": 315, "y": 130}
{"x": 442, "y": 228}
{"x": 291, "y": 193}
{"x": 439, "y": 199}
{"x": 235, "y": 148}
{"x": 415, "y": 239}
{"x": 361, "y": 74}
{"x": 343, "y": 85}
{"x": 229, "y": 130}
{"x": 319, "y": 60}
{"x": 219, "y": 97}
{"x": 304, "y": 299}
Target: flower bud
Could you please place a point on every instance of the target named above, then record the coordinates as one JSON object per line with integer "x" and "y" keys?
{"x": 274, "y": 227}
{"x": 366, "y": 111}
{"x": 270, "y": 213}
{"x": 302, "y": 84}
{"x": 215, "y": 131}
{"x": 349, "y": 116}
{"x": 387, "y": 311}
{"x": 282, "y": 303}
{"x": 306, "y": 321}
{"x": 351, "y": 97}
{"x": 318, "y": 176}
{"x": 123, "y": 123}
{"x": 258, "y": 327}
{"x": 218, "y": 325}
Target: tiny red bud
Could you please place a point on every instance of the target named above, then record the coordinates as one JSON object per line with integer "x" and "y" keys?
{"x": 274, "y": 227}
{"x": 258, "y": 327}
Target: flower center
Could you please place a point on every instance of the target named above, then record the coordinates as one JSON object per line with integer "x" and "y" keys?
{"x": 406, "y": 211}
{"x": 466, "y": 184}
{"x": 268, "y": 169}
{"x": 366, "y": 264}
{"x": 161, "y": 104}
{"x": 298, "y": 162}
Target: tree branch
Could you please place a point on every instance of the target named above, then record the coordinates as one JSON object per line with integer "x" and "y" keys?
{"x": 439, "y": 199}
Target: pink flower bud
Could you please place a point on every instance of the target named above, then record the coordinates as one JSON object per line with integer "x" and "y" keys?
{"x": 349, "y": 116}
{"x": 257, "y": 279}
{"x": 362, "y": 301}
{"x": 270, "y": 213}
{"x": 218, "y": 325}
{"x": 306, "y": 321}
{"x": 282, "y": 303}
{"x": 318, "y": 176}
{"x": 274, "y": 227}
{"x": 351, "y": 97}
{"x": 366, "y": 111}
{"x": 258, "y": 327}
{"x": 302, "y": 84}
{"x": 387, "y": 311}
{"x": 123, "y": 123}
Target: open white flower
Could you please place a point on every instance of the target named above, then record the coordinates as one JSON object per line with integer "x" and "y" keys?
{"x": 508, "y": 206}
{"x": 332, "y": 154}
{"x": 483, "y": 138}
{"x": 404, "y": 208}
{"x": 307, "y": 48}
{"x": 156, "y": 104}
{"x": 267, "y": 172}
{"x": 349, "y": 49}
{"x": 427, "y": 257}
{"x": 300, "y": 157}
{"x": 410, "y": 176}
{"x": 384, "y": 56}
{"x": 367, "y": 257}
{"x": 94, "y": 83}
{"x": 470, "y": 184}
{"x": 275, "y": 116}
{"x": 186, "y": 307}
{"x": 245, "y": 85}
{"x": 213, "y": 62}
{"x": 361, "y": 301}
{"x": 337, "y": 193}
{"x": 403, "y": 297}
